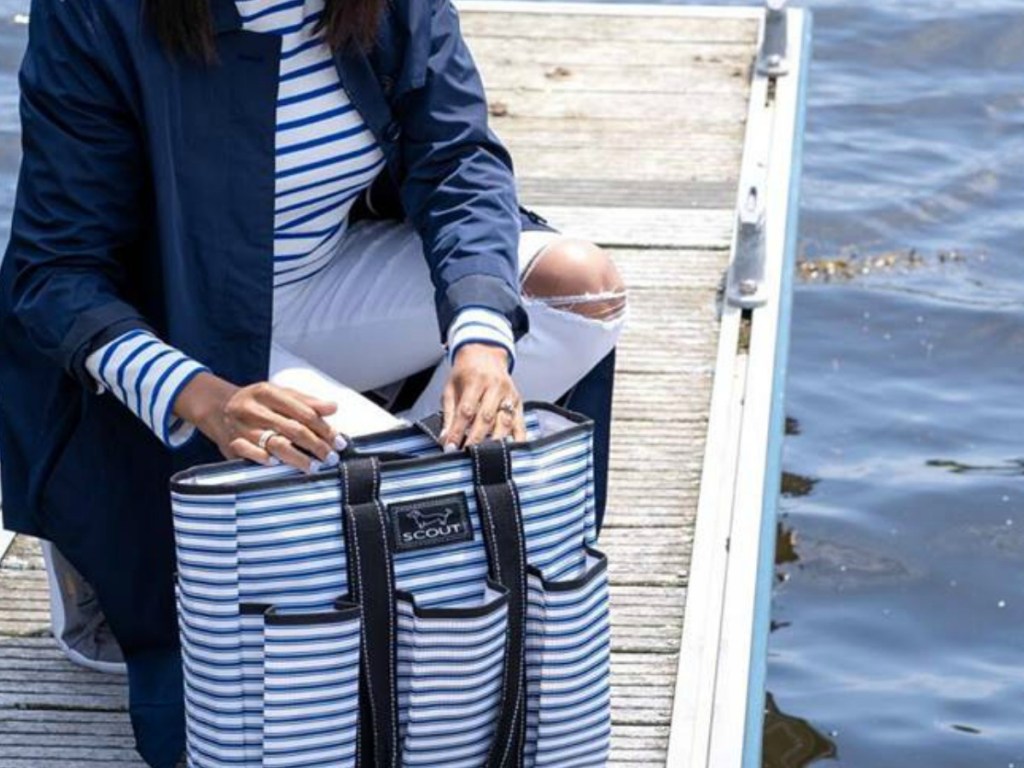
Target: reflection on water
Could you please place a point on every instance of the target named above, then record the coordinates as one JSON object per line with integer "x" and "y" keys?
{"x": 797, "y": 485}
{"x": 791, "y": 742}
{"x": 785, "y": 545}
{"x": 1008, "y": 467}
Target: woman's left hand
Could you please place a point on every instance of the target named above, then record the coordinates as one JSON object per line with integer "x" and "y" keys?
{"x": 480, "y": 399}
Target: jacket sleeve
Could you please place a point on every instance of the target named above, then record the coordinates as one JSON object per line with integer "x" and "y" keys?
{"x": 79, "y": 190}
{"x": 458, "y": 188}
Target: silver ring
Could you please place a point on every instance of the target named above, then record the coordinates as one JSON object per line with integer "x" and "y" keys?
{"x": 265, "y": 437}
{"x": 508, "y": 407}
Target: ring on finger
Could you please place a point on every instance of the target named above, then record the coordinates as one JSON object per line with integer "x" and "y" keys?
{"x": 507, "y": 406}
{"x": 265, "y": 437}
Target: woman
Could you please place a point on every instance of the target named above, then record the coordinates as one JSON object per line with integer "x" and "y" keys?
{"x": 184, "y": 244}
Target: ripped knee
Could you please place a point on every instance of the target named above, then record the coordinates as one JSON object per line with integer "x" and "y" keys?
{"x": 576, "y": 276}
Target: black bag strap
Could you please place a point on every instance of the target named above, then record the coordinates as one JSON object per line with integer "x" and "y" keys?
{"x": 371, "y": 584}
{"x": 501, "y": 521}
{"x": 432, "y": 426}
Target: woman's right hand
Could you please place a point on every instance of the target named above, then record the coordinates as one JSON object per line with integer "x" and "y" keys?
{"x": 236, "y": 417}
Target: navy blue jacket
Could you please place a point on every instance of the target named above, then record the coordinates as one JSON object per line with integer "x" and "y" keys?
{"x": 146, "y": 199}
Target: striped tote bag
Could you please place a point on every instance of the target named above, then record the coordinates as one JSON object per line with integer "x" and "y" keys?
{"x": 406, "y": 608}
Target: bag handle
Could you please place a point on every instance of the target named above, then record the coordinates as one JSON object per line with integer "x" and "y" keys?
{"x": 501, "y": 521}
{"x": 371, "y": 584}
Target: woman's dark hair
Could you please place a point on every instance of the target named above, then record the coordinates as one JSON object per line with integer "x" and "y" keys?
{"x": 186, "y": 26}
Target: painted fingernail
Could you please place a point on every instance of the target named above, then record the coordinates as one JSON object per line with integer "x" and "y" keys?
{"x": 332, "y": 460}
{"x": 340, "y": 443}
{"x": 450, "y": 447}
{"x": 314, "y": 466}
{"x": 443, "y": 433}
{"x": 273, "y": 461}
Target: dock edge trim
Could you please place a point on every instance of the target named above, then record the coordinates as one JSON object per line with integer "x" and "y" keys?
{"x": 754, "y": 731}
{"x": 718, "y": 704}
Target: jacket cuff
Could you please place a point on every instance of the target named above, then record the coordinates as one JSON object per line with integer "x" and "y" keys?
{"x": 482, "y": 292}
{"x": 92, "y": 330}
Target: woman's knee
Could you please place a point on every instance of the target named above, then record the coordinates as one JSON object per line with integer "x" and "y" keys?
{"x": 577, "y": 276}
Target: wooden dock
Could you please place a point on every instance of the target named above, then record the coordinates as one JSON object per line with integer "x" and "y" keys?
{"x": 628, "y": 125}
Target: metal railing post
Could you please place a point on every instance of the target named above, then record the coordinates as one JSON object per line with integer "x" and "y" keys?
{"x": 771, "y": 59}
{"x": 746, "y": 286}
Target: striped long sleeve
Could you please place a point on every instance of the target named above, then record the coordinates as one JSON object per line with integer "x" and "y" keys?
{"x": 146, "y": 375}
{"x": 481, "y": 326}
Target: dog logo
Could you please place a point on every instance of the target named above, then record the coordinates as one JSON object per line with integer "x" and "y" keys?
{"x": 424, "y": 520}
{"x": 430, "y": 522}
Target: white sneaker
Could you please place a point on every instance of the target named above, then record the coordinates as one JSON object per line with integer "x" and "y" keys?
{"x": 79, "y": 626}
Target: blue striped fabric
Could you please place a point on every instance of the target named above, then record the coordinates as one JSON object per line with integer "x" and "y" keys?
{"x": 568, "y": 653}
{"x": 311, "y": 689}
{"x": 283, "y": 546}
{"x": 252, "y": 654}
{"x": 325, "y": 154}
{"x": 449, "y": 680}
{"x": 481, "y": 326}
{"x": 146, "y": 375}
{"x": 410, "y": 442}
{"x": 219, "y": 702}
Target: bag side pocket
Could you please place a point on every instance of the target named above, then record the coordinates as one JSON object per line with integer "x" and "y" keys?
{"x": 212, "y": 667}
{"x": 450, "y": 670}
{"x": 568, "y": 666}
{"x": 311, "y": 687}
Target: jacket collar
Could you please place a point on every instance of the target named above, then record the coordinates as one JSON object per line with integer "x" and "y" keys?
{"x": 225, "y": 16}
{"x": 354, "y": 68}
{"x": 364, "y": 90}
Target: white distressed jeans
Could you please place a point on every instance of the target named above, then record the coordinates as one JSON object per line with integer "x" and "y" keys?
{"x": 368, "y": 320}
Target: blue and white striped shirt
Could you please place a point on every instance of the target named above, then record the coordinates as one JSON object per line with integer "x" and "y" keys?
{"x": 325, "y": 158}
{"x": 146, "y": 375}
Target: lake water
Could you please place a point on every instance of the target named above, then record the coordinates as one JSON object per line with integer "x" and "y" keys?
{"x": 898, "y": 621}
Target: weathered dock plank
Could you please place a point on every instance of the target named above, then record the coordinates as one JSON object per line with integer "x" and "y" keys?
{"x": 594, "y": 74}
{"x": 564, "y": 29}
{"x": 649, "y": 227}
{"x": 647, "y": 116}
{"x": 626, "y": 129}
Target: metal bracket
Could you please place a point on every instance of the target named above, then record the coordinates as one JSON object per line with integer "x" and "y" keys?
{"x": 745, "y": 286}
{"x": 771, "y": 58}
